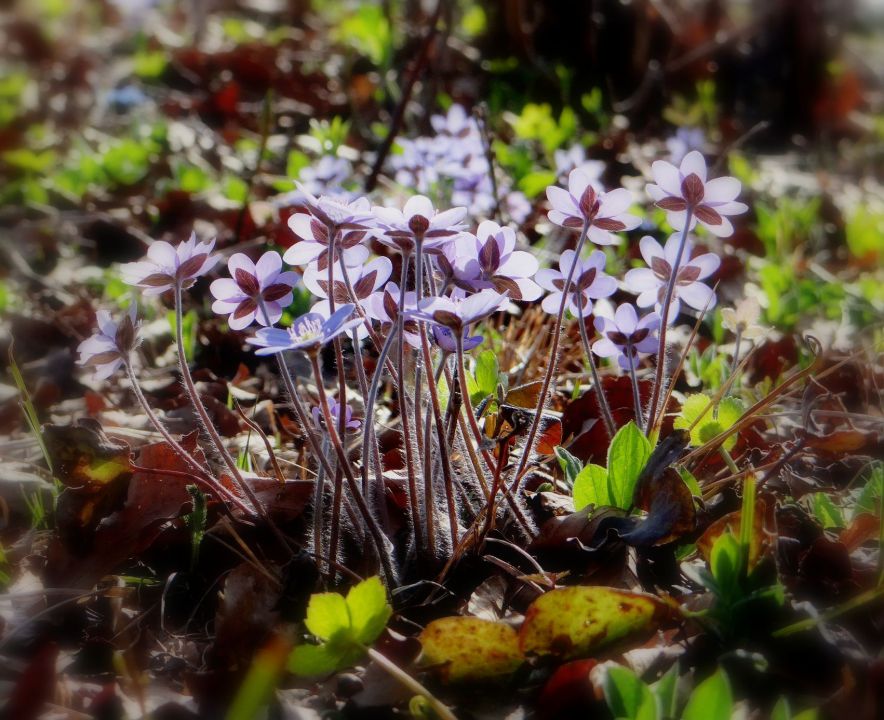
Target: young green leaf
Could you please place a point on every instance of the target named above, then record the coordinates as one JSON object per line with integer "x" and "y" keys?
{"x": 711, "y": 700}
{"x": 699, "y": 414}
{"x": 310, "y": 660}
{"x": 627, "y": 456}
{"x": 628, "y": 697}
{"x": 591, "y": 487}
{"x": 369, "y": 610}
{"x": 725, "y": 564}
{"x": 570, "y": 465}
{"x": 487, "y": 371}
{"x": 327, "y": 615}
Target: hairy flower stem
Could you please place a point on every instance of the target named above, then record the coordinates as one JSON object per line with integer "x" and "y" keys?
{"x": 636, "y": 398}
{"x": 552, "y": 364}
{"x": 660, "y": 374}
{"x": 602, "y": 398}
{"x": 479, "y": 437}
{"x": 418, "y": 375}
{"x": 206, "y": 422}
{"x": 369, "y": 437}
{"x": 373, "y": 530}
{"x": 375, "y": 338}
{"x": 444, "y": 453}
{"x": 403, "y": 411}
{"x": 318, "y": 502}
{"x": 368, "y": 434}
{"x": 199, "y": 470}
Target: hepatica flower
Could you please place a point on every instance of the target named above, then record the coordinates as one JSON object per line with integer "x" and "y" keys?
{"x": 589, "y": 283}
{"x": 250, "y": 284}
{"x": 583, "y": 203}
{"x": 625, "y": 336}
{"x": 650, "y": 283}
{"x": 335, "y": 407}
{"x": 418, "y": 221}
{"x": 458, "y": 313}
{"x": 167, "y": 267}
{"x": 331, "y": 221}
{"x": 308, "y": 333}
{"x": 106, "y": 351}
{"x": 383, "y": 306}
{"x": 446, "y": 339}
{"x": 683, "y": 188}
{"x": 364, "y": 279}
{"x": 488, "y": 260}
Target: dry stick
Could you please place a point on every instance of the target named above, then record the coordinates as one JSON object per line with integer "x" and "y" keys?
{"x": 659, "y": 376}
{"x": 373, "y": 529}
{"x": 261, "y": 434}
{"x": 407, "y": 90}
{"x": 551, "y": 366}
{"x": 177, "y": 447}
{"x": 439, "y": 709}
{"x": 203, "y": 414}
{"x": 610, "y": 426}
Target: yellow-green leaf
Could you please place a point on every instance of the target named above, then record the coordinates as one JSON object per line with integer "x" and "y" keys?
{"x": 468, "y": 648}
{"x": 577, "y": 621}
{"x": 369, "y": 611}
{"x": 327, "y": 615}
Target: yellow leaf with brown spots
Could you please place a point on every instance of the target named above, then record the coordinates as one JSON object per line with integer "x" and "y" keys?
{"x": 577, "y": 621}
{"x": 468, "y": 648}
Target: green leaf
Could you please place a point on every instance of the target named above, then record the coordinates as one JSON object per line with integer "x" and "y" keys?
{"x": 314, "y": 659}
{"x": 591, "y": 487}
{"x": 691, "y": 482}
{"x": 570, "y": 465}
{"x": 628, "y": 697}
{"x": 711, "y": 700}
{"x": 487, "y": 371}
{"x": 698, "y": 411}
{"x": 627, "y": 456}
{"x": 725, "y": 563}
{"x": 327, "y": 615}
{"x": 260, "y": 682}
{"x": 828, "y": 514}
{"x": 369, "y": 610}
{"x": 665, "y": 690}
{"x": 470, "y": 648}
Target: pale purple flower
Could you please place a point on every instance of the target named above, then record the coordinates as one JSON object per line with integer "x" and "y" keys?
{"x": 445, "y": 339}
{"x": 650, "y": 283}
{"x": 574, "y": 158}
{"x": 489, "y": 260}
{"x": 517, "y": 206}
{"x": 458, "y": 313}
{"x": 308, "y": 332}
{"x": 583, "y": 203}
{"x": 364, "y": 279}
{"x": 331, "y": 220}
{"x": 418, "y": 220}
{"x": 588, "y": 283}
{"x": 626, "y": 336}
{"x": 456, "y": 123}
{"x": 167, "y": 266}
{"x": 335, "y": 409}
{"x": 383, "y": 306}
{"x": 678, "y": 189}
{"x": 684, "y": 141}
{"x": 106, "y": 351}
{"x": 241, "y": 295}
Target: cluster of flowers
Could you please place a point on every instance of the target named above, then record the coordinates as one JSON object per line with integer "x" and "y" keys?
{"x": 471, "y": 274}
{"x": 455, "y": 159}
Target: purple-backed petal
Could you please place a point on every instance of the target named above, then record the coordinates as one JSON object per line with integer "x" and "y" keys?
{"x": 697, "y": 295}
{"x": 603, "y": 286}
{"x": 578, "y": 181}
{"x": 551, "y": 303}
{"x": 640, "y": 280}
{"x": 240, "y": 320}
{"x": 615, "y": 202}
{"x": 449, "y": 218}
{"x": 163, "y": 254}
{"x": 519, "y": 264}
{"x": 545, "y": 277}
{"x": 601, "y": 237}
{"x": 720, "y": 190}
{"x": 626, "y": 318}
{"x": 562, "y": 202}
{"x": 708, "y": 263}
{"x": 302, "y": 253}
{"x": 603, "y": 347}
{"x": 226, "y": 290}
{"x": 268, "y": 268}
{"x": 670, "y": 251}
{"x": 667, "y": 178}
{"x": 418, "y": 205}
{"x": 723, "y": 229}
{"x": 693, "y": 163}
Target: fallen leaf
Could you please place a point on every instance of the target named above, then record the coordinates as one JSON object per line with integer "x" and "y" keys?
{"x": 468, "y": 648}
